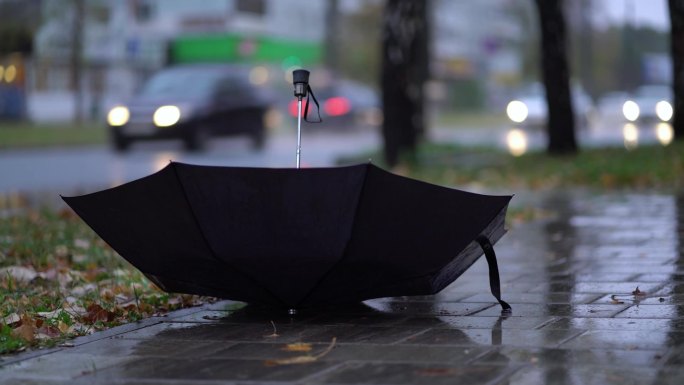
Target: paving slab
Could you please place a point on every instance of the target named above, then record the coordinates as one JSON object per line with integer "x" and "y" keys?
{"x": 571, "y": 279}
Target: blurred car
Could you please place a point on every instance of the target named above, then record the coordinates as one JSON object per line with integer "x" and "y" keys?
{"x": 649, "y": 103}
{"x": 610, "y": 104}
{"x": 529, "y": 108}
{"x": 344, "y": 104}
{"x": 192, "y": 103}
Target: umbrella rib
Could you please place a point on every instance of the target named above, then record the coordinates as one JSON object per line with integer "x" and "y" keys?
{"x": 211, "y": 250}
{"x": 344, "y": 251}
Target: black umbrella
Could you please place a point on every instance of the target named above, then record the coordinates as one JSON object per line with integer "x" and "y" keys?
{"x": 295, "y": 237}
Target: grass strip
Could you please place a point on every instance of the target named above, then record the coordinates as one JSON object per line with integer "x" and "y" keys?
{"x": 59, "y": 280}
{"x": 23, "y": 135}
{"x": 652, "y": 167}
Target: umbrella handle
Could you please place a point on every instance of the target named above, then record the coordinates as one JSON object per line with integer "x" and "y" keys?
{"x": 299, "y": 130}
{"x": 300, "y": 78}
{"x": 494, "y": 281}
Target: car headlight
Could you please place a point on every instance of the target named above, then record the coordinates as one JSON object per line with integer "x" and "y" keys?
{"x": 516, "y": 140}
{"x": 631, "y": 110}
{"x": 517, "y": 111}
{"x": 118, "y": 116}
{"x": 664, "y": 110}
{"x": 166, "y": 116}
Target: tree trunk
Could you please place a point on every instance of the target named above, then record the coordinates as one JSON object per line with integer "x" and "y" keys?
{"x": 404, "y": 71}
{"x": 556, "y": 76}
{"x": 677, "y": 50}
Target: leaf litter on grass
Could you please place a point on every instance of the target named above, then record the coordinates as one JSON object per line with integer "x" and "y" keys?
{"x": 59, "y": 280}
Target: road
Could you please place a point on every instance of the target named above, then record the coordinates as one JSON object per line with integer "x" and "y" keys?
{"x": 82, "y": 169}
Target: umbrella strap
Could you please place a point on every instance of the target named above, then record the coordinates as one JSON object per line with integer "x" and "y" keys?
{"x": 494, "y": 282}
{"x": 306, "y": 107}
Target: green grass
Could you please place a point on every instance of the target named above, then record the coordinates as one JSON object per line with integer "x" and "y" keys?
{"x": 8, "y": 342}
{"x": 23, "y": 134}
{"x": 59, "y": 280}
{"x": 647, "y": 167}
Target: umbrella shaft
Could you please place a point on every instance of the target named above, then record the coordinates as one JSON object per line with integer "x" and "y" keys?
{"x": 299, "y": 129}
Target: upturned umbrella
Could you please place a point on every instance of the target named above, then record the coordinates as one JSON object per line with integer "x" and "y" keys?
{"x": 295, "y": 237}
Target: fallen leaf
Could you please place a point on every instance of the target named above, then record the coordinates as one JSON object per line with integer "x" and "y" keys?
{"x": 297, "y": 347}
{"x": 305, "y": 359}
{"x": 63, "y": 327}
{"x": 80, "y": 291}
{"x": 26, "y": 332}
{"x": 11, "y": 319}
{"x": 98, "y": 313}
{"x": 61, "y": 251}
{"x": 121, "y": 298}
{"x": 107, "y": 294}
{"x": 19, "y": 273}
{"x": 43, "y": 336}
{"x": 175, "y": 301}
{"x": 47, "y": 332}
{"x": 292, "y": 361}
{"x": 81, "y": 243}
{"x": 49, "y": 314}
{"x": 437, "y": 372}
{"x": 615, "y": 301}
{"x": 66, "y": 278}
{"x": 76, "y": 311}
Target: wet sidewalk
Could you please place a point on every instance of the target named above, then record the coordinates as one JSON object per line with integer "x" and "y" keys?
{"x": 597, "y": 289}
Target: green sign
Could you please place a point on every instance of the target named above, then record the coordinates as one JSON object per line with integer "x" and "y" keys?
{"x": 235, "y": 48}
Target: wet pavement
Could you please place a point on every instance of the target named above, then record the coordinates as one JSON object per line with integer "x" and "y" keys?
{"x": 571, "y": 276}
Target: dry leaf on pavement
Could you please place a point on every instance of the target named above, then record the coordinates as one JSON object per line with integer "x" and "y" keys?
{"x": 298, "y": 347}
{"x": 305, "y": 359}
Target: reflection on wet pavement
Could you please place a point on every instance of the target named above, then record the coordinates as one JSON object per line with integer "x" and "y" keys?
{"x": 597, "y": 291}
{"x": 519, "y": 140}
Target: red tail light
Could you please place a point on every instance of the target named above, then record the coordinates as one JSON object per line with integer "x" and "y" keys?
{"x": 292, "y": 108}
{"x": 336, "y": 106}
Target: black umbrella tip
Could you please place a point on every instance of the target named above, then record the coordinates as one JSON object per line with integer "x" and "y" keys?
{"x": 300, "y": 79}
{"x": 300, "y": 76}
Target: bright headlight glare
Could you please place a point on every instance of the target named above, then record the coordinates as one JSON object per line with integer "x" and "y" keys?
{"x": 516, "y": 111}
{"x": 630, "y": 132}
{"x": 664, "y": 111}
{"x": 118, "y": 116}
{"x": 664, "y": 133}
{"x": 166, "y": 116}
{"x": 631, "y": 110}
{"x": 516, "y": 140}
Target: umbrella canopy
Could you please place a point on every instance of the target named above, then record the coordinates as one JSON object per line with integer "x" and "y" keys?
{"x": 295, "y": 237}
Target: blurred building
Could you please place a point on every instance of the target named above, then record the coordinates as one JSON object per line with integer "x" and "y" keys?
{"x": 124, "y": 41}
{"x": 476, "y": 50}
